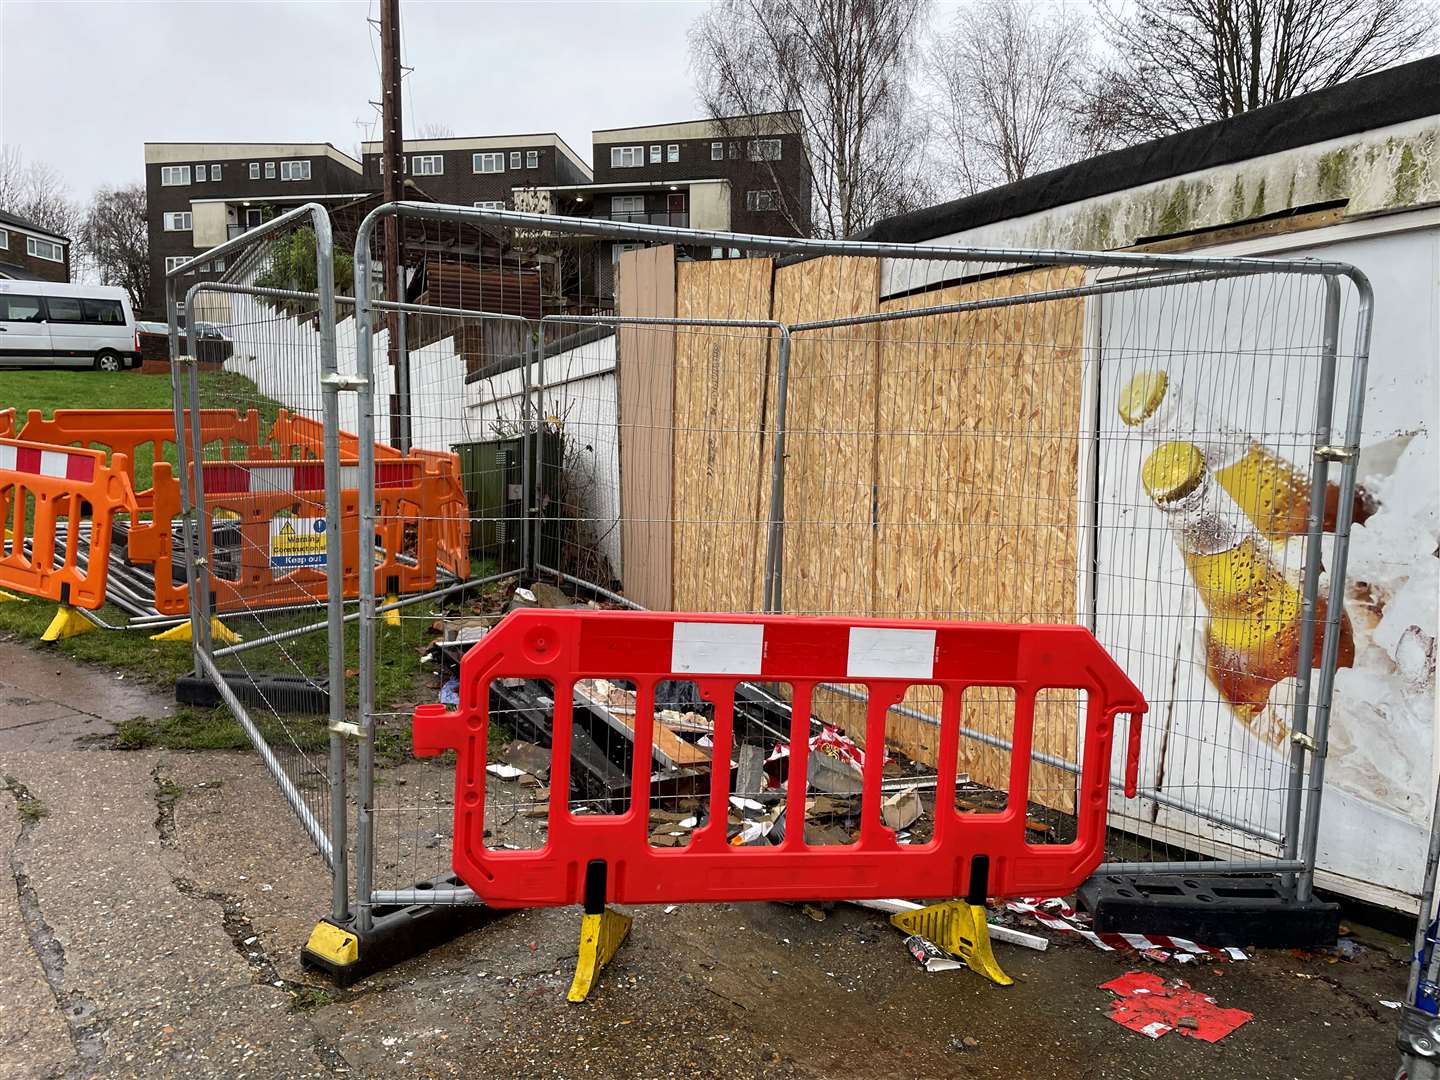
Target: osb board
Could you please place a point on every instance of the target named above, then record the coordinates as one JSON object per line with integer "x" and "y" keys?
{"x": 830, "y": 450}
{"x": 830, "y": 435}
{"x": 976, "y": 472}
{"x": 645, "y": 370}
{"x": 722, "y": 379}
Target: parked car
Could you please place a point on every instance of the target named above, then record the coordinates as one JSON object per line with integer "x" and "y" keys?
{"x": 214, "y": 345}
{"x": 50, "y": 324}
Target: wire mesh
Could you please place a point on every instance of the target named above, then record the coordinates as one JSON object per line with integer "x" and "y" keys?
{"x": 663, "y": 419}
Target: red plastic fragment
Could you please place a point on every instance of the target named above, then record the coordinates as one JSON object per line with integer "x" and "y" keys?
{"x": 1152, "y": 1006}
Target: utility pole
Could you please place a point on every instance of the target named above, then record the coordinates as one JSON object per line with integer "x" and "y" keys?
{"x": 392, "y": 149}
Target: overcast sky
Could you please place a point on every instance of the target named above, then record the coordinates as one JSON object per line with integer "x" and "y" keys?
{"x": 83, "y": 85}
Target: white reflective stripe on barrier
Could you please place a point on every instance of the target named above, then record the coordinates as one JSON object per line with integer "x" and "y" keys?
{"x": 717, "y": 648}
{"x": 882, "y": 653}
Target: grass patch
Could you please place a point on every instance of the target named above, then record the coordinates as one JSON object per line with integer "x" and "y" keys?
{"x": 27, "y": 806}
{"x": 309, "y": 997}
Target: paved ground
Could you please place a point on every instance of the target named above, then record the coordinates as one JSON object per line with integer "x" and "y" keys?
{"x": 159, "y": 900}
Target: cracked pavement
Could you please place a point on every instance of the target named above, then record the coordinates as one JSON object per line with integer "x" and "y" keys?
{"x": 158, "y": 902}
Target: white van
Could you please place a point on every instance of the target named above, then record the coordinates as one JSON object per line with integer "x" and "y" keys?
{"x": 47, "y": 324}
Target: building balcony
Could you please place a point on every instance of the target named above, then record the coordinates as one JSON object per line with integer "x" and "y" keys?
{"x": 232, "y": 231}
{"x": 678, "y": 220}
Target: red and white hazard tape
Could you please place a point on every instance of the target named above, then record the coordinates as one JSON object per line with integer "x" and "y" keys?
{"x": 56, "y": 464}
{"x": 248, "y": 478}
{"x": 1056, "y": 914}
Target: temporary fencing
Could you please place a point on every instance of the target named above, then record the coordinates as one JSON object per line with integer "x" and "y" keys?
{"x": 714, "y": 423}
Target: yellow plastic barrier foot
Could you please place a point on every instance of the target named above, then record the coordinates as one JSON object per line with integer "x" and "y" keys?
{"x": 961, "y": 930}
{"x": 392, "y": 617}
{"x": 333, "y": 945}
{"x": 600, "y": 936}
{"x": 9, "y": 597}
{"x": 181, "y": 632}
{"x": 67, "y": 623}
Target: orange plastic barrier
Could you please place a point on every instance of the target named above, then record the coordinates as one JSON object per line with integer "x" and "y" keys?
{"x": 279, "y": 551}
{"x": 45, "y": 488}
{"x": 292, "y": 432}
{"x": 975, "y": 854}
{"x": 422, "y": 513}
{"x": 7, "y": 423}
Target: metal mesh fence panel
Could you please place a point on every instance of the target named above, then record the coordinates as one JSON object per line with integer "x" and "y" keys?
{"x": 252, "y": 327}
{"x": 709, "y": 422}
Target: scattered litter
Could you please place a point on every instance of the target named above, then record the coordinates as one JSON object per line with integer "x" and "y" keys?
{"x": 957, "y": 1044}
{"x": 745, "y": 804}
{"x": 526, "y": 595}
{"x": 689, "y": 822}
{"x": 503, "y": 771}
{"x": 1390, "y": 1004}
{"x": 929, "y": 955}
{"x": 1055, "y": 914}
{"x": 1160, "y": 956}
{"x": 1148, "y": 1004}
{"x": 450, "y": 693}
{"x": 670, "y": 909}
{"x": 997, "y": 932}
{"x": 526, "y": 756}
{"x": 813, "y": 912}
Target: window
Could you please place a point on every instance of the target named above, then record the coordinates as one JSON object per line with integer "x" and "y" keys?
{"x": 487, "y": 163}
{"x": 174, "y": 175}
{"x": 269, "y": 170}
{"x": 44, "y": 249}
{"x": 200, "y": 174}
{"x": 672, "y": 152}
{"x": 428, "y": 164}
{"x": 532, "y": 159}
{"x": 254, "y": 170}
{"x": 717, "y": 151}
{"x": 295, "y": 170}
{"x": 214, "y": 172}
{"x": 104, "y": 312}
{"x": 172, "y": 261}
{"x": 764, "y": 150}
{"x": 4, "y": 240}
{"x": 64, "y": 309}
{"x": 734, "y": 151}
{"x": 655, "y": 155}
{"x": 491, "y": 204}
{"x": 217, "y": 265}
{"x": 15, "y": 308}
{"x": 515, "y": 159}
{"x": 762, "y": 200}
{"x": 617, "y": 250}
{"x": 627, "y": 157}
{"x": 627, "y": 207}
{"x": 179, "y": 221}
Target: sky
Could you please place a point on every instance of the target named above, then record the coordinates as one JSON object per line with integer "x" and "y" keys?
{"x": 84, "y": 85}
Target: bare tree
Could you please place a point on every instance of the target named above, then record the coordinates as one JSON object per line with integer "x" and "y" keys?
{"x": 34, "y": 191}
{"x": 434, "y": 129}
{"x": 116, "y": 240}
{"x": 1005, "y": 87}
{"x": 1182, "y": 63}
{"x": 842, "y": 67}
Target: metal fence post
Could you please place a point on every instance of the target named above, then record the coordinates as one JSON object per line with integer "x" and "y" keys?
{"x": 365, "y": 431}
{"x": 335, "y": 567}
{"x": 1300, "y": 738}
{"x": 775, "y": 534}
{"x": 1348, "y": 454}
{"x": 200, "y": 580}
{"x": 179, "y": 387}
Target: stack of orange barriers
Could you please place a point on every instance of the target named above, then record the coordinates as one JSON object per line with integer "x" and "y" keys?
{"x": 74, "y": 474}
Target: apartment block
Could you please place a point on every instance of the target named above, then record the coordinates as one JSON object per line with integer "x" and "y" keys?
{"x": 199, "y": 195}
{"x": 482, "y": 170}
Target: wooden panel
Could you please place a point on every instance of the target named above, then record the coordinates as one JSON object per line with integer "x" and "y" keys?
{"x": 645, "y": 375}
{"x": 722, "y": 389}
{"x": 976, "y": 502}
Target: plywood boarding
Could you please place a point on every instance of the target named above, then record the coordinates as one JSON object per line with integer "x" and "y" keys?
{"x": 645, "y": 363}
{"x": 722, "y": 386}
{"x": 830, "y": 449}
{"x": 977, "y": 457}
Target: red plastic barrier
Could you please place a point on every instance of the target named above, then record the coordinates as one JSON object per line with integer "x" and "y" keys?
{"x": 719, "y": 652}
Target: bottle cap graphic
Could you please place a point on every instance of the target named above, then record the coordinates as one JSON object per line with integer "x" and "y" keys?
{"x": 1172, "y": 471}
{"x": 1142, "y": 396}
